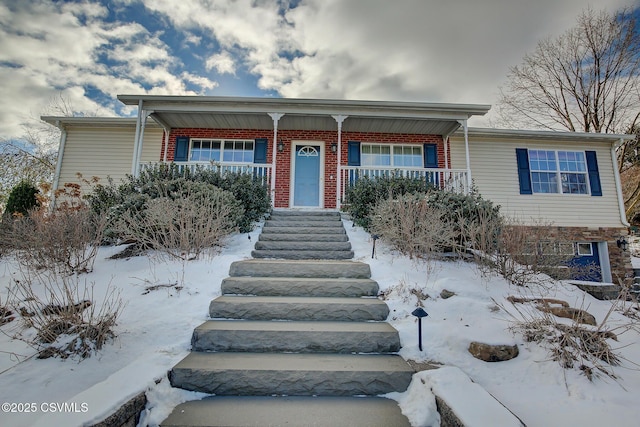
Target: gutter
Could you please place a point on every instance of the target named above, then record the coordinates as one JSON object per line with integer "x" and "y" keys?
{"x": 616, "y": 175}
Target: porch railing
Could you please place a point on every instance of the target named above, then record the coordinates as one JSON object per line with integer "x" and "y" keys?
{"x": 259, "y": 171}
{"x": 454, "y": 180}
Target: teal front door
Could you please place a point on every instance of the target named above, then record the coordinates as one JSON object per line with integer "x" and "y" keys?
{"x": 306, "y": 181}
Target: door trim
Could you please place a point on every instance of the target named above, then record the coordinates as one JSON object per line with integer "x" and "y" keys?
{"x": 292, "y": 173}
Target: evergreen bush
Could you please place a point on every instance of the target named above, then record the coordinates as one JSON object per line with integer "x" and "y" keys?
{"x": 22, "y": 199}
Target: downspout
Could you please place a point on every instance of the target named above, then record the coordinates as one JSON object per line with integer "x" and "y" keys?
{"x": 466, "y": 153}
{"x": 616, "y": 175}
{"x": 56, "y": 176}
{"x": 339, "y": 119}
{"x": 136, "y": 140}
{"x": 275, "y": 117}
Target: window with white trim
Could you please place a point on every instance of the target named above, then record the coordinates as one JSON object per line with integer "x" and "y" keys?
{"x": 391, "y": 155}
{"x": 558, "y": 172}
{"x": 216, "y": 150}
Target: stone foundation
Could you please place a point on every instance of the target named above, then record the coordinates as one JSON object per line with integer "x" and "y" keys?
{"x": 619, "y": 260}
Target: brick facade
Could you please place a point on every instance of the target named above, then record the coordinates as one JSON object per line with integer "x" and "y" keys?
{"x": 283, "y": 159}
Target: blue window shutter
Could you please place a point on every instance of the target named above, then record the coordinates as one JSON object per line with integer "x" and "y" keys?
{"x": 353, "y": 153}
{"x": 524, "y": 177}
{"x": 430, "y": 156}
{"x": 182, "y": 149}
{"x": 594, "y": 174}
{"x": 260, "y": 151}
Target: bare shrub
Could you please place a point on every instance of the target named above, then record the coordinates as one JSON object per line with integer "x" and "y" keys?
{"x": 188, "y": 219}
{"x": 534, "y": 255}
{"x": 572, "y": 344}
{"x": 64, "y": 240}
{"x": 60, "y": 314}
{"x": 412, "y": 226}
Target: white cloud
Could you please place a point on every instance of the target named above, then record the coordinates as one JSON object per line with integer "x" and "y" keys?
{"x": 439, "y": 51}
{"x": 223, "y": 63}
{"x": 51, "y": 48}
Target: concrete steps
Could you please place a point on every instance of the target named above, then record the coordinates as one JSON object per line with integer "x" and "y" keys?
{"x": 298, "y": 337}
{"x": 293, "y": 411}
{"x": 303, "y": 235}
{"x": 291, "y": 374}
{"x": 298, "y": 308}
{"x": 293, "y": 341}
{"x": 295, "y": 237}
{"x": 300, "y": 269}
{"x": 297, "y": 287}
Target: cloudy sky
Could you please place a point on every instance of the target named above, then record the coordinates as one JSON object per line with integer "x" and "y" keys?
{"x": 411, "y": 50}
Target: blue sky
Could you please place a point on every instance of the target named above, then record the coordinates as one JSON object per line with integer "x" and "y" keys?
{"x": 413, "y": 50}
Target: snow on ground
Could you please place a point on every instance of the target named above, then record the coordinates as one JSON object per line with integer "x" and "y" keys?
{"x": 155, "y": 329}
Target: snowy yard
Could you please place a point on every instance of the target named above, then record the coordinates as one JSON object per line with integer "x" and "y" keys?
{"x": 155, "y": 329}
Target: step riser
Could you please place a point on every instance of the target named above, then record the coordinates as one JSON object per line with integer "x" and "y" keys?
{"x": 292, "y": 383}
{"x": 297, "y": 214}
{"x": 286, "y": 237}
{"x": 304, "y": 246}
{"x": 302, "y": 223}
{"x": 292, "y": 311}
{"x": 307, "y": 288}
{"x": 295, "y": 341}
{"x": 229, "y": 411}
{"x": 312, "y": 269}
{"x": 304, "y": 230}
{"x": 301, "y": 254}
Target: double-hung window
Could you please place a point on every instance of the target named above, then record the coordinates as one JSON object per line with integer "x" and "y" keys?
{"x": 215, "y": 150}
{"x": 391, "y": 155}
{"x": 558, "y": 172}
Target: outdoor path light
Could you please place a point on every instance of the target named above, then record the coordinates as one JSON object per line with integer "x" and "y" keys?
{"x": 420, "y": 313}
{"x": 373, "y": 251}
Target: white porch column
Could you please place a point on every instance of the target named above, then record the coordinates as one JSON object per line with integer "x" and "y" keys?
{"x": 275, "y": 117}
{"x": 466, "y": 152}
{"x": 167, "y": 132}
{"x": 136, "y": 141}
{"x": 339, "y": 119}
{"x": 141, "y": 143}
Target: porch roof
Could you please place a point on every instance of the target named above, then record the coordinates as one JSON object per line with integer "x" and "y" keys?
{"x": 304, "y": 114}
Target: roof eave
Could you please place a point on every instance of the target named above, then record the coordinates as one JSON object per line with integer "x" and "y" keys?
{"x": 547, "y": 135}
{"x": 395, "y": 109}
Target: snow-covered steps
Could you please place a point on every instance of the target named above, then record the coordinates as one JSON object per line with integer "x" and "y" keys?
{"x": 303, "y": 235}
{"x": 298, "y": 337}
{"x": 298, "y": 308}
{"x": 304, "y": 268}
{"x": 293, "y": 374}
{"x": 288, "y": 411}
{"x": 310, "y": 287}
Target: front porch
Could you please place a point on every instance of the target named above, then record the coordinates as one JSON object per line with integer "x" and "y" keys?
{"x": 309, "y": 152}
{"x": 454, "y": 180}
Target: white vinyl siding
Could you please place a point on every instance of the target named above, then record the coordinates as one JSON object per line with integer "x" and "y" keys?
{"x": 103, "y": 152}
{"x": 494, "y": 171}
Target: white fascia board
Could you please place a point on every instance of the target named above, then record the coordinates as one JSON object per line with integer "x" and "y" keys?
{"x": 307, "y": 106}
{"x": 546, "y": 135}
{"x": 93, "y": 121}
